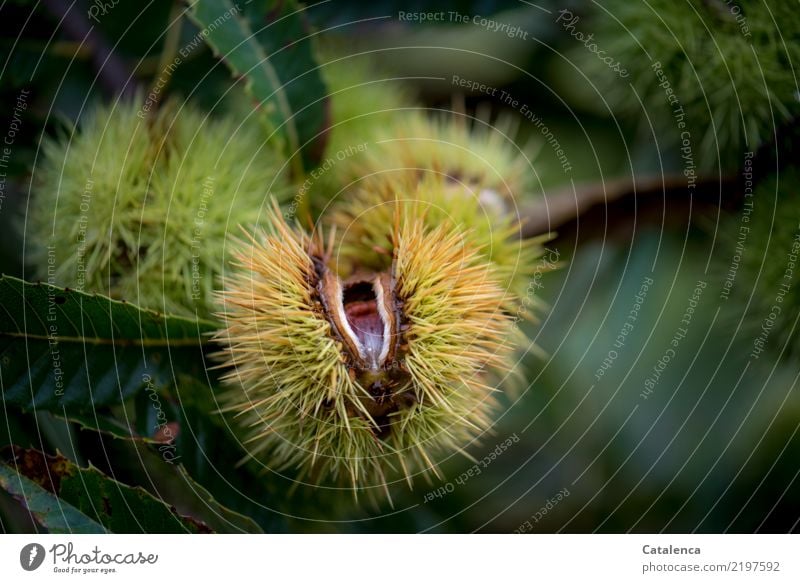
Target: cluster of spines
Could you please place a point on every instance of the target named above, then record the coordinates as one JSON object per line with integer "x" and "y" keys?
{"x": 139, "y": 206}
{"x": 729, "y": 64}
{"x": 291, "y": 381}
{"x": 493, "y": 235}
{"x": 431, "y": 202}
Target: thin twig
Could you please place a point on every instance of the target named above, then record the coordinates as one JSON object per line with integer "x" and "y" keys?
{"x": 114, "y": 75}
{"x": 169, "y": 50}
{"x": 563, "y": 207}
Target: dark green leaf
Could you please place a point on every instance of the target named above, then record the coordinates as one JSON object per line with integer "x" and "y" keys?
{"x": 118, "y": 507}
{"x": 207, "y": 447}
{"x": 162, "y": 460}
{"x": 219, "y": 517}
{"x": 68, "y": 351}
{"x": 268, "y": 44}
{"x": 107, "y": 424}
{"x": 159, "y": 470}
{"x": 49, "y": 511}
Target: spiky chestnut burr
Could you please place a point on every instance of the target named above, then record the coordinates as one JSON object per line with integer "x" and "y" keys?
{"x": 363, "y": 102}
{"x": 139, "y": 206}
{"x": 379, "y": 132}
{"x": 473, "y": 154}
{"x": 756, "y": 267}
{"x": 728, "y": 64}
{"x": 365, "y": 378}
{"x": 490, "y": 230}
{"x": 466, "y": 174}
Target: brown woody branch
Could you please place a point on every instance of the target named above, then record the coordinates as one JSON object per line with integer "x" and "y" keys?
{"x": 113, "y": 73}
{"x": 615, "y": 207}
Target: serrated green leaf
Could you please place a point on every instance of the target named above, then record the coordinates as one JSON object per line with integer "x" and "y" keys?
{"x": 68, "y": 351}
{"x": 223, "y": 519}
{"x": 57, "y": 516}
{"x": 106, "y": 424}
{"x": 162, "y": 475}
{"x": 116, "y": 506}
{"x": 268, "y": 44}
{"x": 175, "y": 484}
{"x": 144, "y": 465}
{"x": 208, "y": 448}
